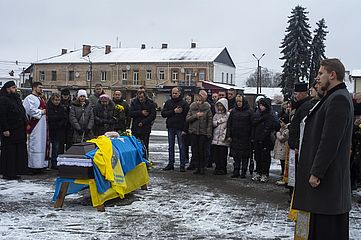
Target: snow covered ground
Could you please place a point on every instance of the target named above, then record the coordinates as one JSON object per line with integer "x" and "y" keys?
{"x": 176, "y": 206}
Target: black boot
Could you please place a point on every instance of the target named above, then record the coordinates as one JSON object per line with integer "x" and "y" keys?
{"x": 168, "y": 167}
{"x": 202, "y": 171}
{"x": 190, "y": 167}
{"x": 244, "y": 167}
{"x": 243, "y": 173}
{"x": 235, "y": 173}
{"x": 251, "y": 167}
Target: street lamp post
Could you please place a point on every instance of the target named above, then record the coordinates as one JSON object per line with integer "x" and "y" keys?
{"x": 258, "y": 72}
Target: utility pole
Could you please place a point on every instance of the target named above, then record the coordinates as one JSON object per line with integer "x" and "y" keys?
{"x": 23, "y": 83}
{"x": 258, "y": 72}
{"x": 90, "y": 75}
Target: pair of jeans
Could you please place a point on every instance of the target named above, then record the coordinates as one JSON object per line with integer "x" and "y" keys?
{"x": 172, "y": 133}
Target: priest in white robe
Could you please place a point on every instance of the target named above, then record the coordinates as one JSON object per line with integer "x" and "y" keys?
{"x": 36, "y": 129}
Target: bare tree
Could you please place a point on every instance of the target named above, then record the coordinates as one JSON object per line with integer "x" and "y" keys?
{"x": 268, "y": 78}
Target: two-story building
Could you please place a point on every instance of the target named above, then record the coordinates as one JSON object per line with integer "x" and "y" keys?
{"x": 129, "y": 68}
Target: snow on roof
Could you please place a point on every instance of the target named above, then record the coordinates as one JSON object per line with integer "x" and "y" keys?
{"x": 268, "y": 91}
{"x": 6, "y": 69}
{"x": 356, "y": 73}
{"x": 133, "y": 55}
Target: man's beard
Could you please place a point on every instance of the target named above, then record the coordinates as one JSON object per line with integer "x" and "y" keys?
{"x": 325, "y": 87}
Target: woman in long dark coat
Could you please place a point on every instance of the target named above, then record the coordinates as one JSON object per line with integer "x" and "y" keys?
{"x": 13, "y": 160}
{"x": 239, "y": 131}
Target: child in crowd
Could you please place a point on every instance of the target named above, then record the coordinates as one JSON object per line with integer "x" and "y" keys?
{"x": 281, "y": 145}
{"x": 219, "y": 147}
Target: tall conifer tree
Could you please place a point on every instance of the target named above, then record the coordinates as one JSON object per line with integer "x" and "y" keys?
{"x": 317, "y": 49}
{"x": 296, "y": 50}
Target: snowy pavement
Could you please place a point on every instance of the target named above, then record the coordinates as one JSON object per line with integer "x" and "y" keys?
{"x": 176, "y": 206}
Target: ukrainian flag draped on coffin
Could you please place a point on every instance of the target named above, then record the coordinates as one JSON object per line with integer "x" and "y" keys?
{"x": 119, "y": 168}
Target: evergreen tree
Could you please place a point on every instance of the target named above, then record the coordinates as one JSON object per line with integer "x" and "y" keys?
{"x": 317, "y": 49}
{"x": 296, "y": 50}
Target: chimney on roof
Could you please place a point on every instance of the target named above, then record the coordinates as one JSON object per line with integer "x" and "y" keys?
{"x": 86, "y": 50}
{"x": 193, "y": 45}
{"x": 143, "y": 46}
{"x": 164, "y": 45}
{"x": 64, "y": 51}
{"x": 108, "y": 49}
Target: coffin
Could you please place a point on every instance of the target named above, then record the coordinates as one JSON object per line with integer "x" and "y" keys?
{"x": 74, "y": 164}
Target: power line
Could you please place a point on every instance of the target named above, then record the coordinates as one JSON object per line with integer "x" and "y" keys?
{"x": 245, "y": 73}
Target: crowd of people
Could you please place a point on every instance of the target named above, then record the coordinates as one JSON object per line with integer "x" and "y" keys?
{"x": 35, "y": 130}
{"x": 309, "y": 136}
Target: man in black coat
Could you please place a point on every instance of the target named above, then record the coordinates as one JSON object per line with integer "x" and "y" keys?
{"x": 143, "y": 113}
{"x": 121, "y": 112}
{"x": 13, "y": 160}
{"x": 57, "y": 120}
{"x": 322, "y": 191}
{"x": 67, "y": 137}
{"x": 303, "y": 105}
{"x": 175, "y": 110}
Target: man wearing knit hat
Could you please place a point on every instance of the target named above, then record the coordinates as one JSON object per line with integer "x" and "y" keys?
{"x": 13, "y": 136}
{"x": 37, "y": 128}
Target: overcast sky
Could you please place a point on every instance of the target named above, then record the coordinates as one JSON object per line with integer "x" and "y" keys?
{"x": 35, "y": 29}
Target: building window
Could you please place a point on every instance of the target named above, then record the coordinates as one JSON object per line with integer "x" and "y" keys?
{"x": 71, "y": 75}
{"x": 149, "y": 75}
{"x": 88, "y": 76}
{"x": 124, "y": 77}
{"x": 202, "y": 75}
{"x": 227, "y": 78}
{"x": 53, "y": 75}
{"x": 161, "y": 75}
{"x": 41, "y": 76}
{"x": 222, "y": 77}
{"x": 175, "y": 76}
{"x": 231, "y": 78}
{"x": 136, "y": 77}
{"x": 189, "y": 76}
{"x": 103, "y": 76}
